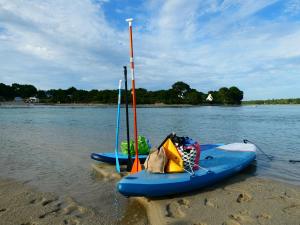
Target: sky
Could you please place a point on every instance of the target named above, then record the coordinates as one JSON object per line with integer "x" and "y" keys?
{"x": 251, "y": 44}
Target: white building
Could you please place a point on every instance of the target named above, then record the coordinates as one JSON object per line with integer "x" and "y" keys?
{"x": 33, "y": 100}
{"x": 209, "y": 98}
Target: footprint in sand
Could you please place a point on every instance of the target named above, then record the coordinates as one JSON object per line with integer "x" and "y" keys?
{"x": 32, "y": 201}
{"x": 243, "y": 197}
{"x": 2, "y": 210}
{"x": 43, "y": 201}
{"x": 263, "y": 216}
{"x": 241, "y": 217}
{"x": 174, "y": 210}
{"x": 55, "y": 210}
{"x": 209, "y": 202}
{"x": 231, "y": 222}
{"x": 47, "y": 201}
{"x": 51, "y": 205}
{"x": 184, "y": 202}
{"x": 71, "y": 222}
{"x": 293, "y": 209}
{"x": 73, "y": 209}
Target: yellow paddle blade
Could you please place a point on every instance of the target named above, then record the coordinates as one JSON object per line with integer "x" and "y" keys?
{"x": 136, "y": 167}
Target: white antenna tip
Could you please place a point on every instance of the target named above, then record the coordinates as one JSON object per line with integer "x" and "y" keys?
{"x": 129, "y": 20}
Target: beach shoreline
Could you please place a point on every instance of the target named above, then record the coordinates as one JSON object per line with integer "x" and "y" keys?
{"x": 242, "y": 199}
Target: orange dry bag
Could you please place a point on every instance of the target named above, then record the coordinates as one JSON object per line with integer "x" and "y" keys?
{"x": 175, "y": 162}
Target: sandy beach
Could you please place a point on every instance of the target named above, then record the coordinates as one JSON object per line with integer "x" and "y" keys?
{"x": 243, "y": 199}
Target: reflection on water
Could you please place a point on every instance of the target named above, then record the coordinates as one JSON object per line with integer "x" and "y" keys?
{"x": 50, "y": 146}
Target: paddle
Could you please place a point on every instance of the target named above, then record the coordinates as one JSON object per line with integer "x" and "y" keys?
{"x": 129, "y": 161}
{"x": 117, "y": 129}
{"x": 136, "y": 165}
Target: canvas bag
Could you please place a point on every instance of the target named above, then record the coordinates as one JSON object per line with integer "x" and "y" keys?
{"x": 156, "y": 161}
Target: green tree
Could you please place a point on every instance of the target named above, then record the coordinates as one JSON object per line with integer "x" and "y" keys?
{"x": 235, "y": 95}
{"x": 6, "y": 92}
{"x": 224, "y": 95}
{"x": 25, "y": 90}
{"x": 181, "y": 89}
{"x": 180, "y": 93}
{"x": 41, "y": 94}
{"x": 194, "y": 97}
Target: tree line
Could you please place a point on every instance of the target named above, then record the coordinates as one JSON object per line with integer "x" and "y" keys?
{"x": 179, "y": 93}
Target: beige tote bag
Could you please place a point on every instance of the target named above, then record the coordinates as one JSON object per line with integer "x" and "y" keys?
{"x": 156, "y": 161}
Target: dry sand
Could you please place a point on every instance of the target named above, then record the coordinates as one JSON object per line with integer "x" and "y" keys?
{"x": 243, "y": 199}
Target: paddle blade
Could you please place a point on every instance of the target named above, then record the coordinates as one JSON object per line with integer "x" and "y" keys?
{"x": 118, "y": 165}
{"x": 136, "y": 167}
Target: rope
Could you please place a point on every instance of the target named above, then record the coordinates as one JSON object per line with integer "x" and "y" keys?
{"x": 294, "y": 161}
{"x": 268, "y": 156}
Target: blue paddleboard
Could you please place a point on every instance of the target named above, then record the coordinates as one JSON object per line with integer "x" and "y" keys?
{"x": 216, "y": 164}
{"x": 110, "y": 157}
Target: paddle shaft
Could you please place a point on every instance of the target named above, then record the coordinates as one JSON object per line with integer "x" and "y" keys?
{"x": 135, "y": 130}
{"x": 117, "y": 128}
{"x": 129, "y": 161}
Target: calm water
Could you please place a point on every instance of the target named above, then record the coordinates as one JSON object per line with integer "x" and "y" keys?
{"x": 49, "y": 147}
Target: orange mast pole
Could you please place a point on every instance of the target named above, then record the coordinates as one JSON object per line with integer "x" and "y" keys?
{"x": 136, "y": 165}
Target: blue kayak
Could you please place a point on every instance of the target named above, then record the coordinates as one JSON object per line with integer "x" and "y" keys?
{"x": 110, "y": 157}
{"x": 215, "y": 164}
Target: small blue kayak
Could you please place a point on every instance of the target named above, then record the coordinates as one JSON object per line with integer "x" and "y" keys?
{"x": 110, "y": 157}
{"x": 216, "y": 164}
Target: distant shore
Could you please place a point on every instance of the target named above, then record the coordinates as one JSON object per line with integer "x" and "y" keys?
{"x": 161, "y": 105}
{"x": 14, "y": 104}
{"x": 284, "y": 101}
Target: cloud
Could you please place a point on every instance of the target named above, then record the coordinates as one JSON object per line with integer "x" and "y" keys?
{"x": 67, "y": 38}
{"x": 209, "y": 44}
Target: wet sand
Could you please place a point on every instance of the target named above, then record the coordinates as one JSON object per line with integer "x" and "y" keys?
{"x": 21, "y": 204}
{"x": 243, "y": 199}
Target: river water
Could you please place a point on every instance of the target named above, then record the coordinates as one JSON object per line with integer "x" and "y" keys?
{"x": 49, "y": 146}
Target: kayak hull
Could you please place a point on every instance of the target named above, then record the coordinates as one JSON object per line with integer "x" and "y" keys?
{"x": 110, "y": 157}
{"x": 216, "y": 165}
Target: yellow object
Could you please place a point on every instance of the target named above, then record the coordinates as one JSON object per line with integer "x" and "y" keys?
{"x": 175, "y": 163}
